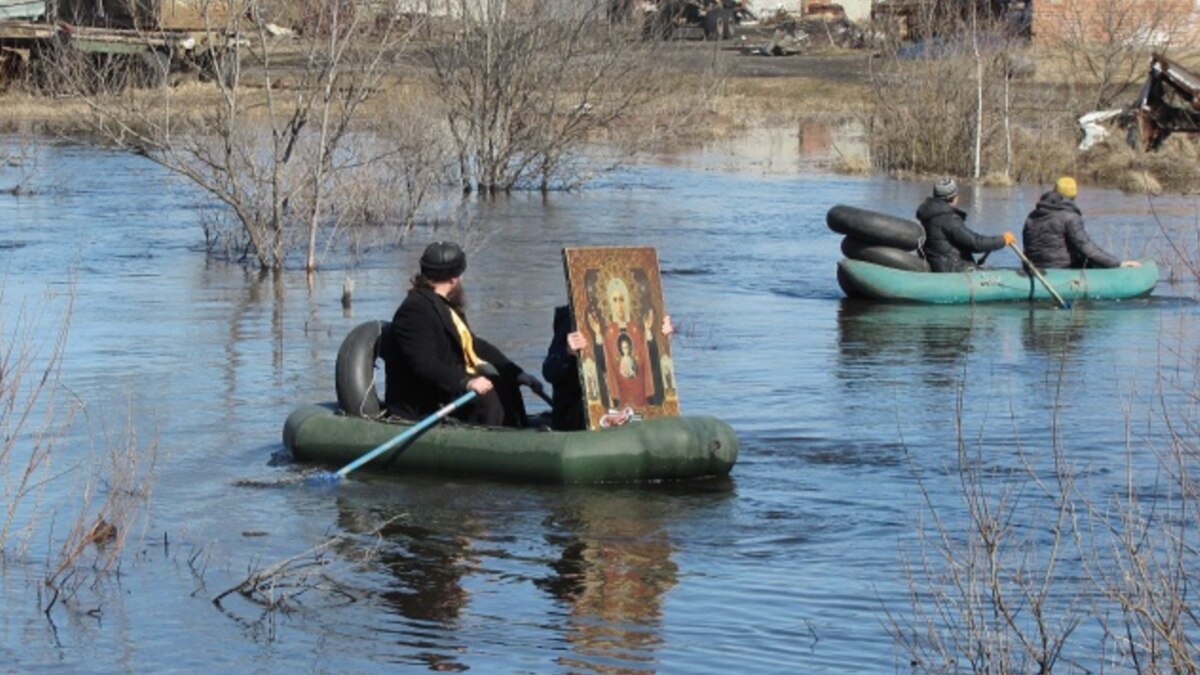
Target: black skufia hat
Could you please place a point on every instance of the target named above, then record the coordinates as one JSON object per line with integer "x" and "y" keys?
{"x": 443, "y": 260}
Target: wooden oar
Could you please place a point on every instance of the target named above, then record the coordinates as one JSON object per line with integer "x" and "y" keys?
{"x": 1037, "y": 273}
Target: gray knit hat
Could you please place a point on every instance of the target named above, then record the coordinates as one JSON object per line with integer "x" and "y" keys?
{"x": 945, "y": 189}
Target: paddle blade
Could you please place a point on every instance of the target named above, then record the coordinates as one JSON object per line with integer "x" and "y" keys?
{"x": 323, "y": 479}
{"x": 312, "y": 478}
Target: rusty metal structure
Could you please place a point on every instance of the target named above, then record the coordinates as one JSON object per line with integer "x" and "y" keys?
{"x": 148, "y": 38}
{"x": 1169, "y": 103}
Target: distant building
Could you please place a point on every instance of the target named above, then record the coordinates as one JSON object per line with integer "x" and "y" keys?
{"x": 1151, "y": 22}
{"x": 855, "y": 10}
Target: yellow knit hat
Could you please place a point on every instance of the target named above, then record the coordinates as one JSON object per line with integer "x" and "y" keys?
{"x": 1066, "y": 187}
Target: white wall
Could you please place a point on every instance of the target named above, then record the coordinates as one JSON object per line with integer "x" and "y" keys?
{"x": 856, "y": 10}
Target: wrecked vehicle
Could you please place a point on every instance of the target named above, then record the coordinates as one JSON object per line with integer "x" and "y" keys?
{"x": 663, "y": 19}
{"x": 786, "y": 40}
{"x": 127, "y": 44}
{"x": 1168, "y": 104}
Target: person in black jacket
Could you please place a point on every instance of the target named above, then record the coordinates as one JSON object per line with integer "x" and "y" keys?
{"x": 949, "y": 243}
{"x": 1054, "y": 235}
{"x": 432, "y": 357}
{"x": 561, "y": 370}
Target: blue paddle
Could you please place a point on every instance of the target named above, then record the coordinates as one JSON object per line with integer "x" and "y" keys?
{"x": 409, "y": 434}
{"x": 417, "y": 429}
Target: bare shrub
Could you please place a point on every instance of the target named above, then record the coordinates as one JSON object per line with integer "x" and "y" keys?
{"x": 1112, "y": 162}
{"x": 526, "y": 88}
{"x": 281, "y": 586}
{"x": 1182, "y": 259}
{"x": 110, "y": 491}
{"x": 1043, "y": 554}
{"x": 113, "y": 496}
{"x": 1146, "y": 562}
{"x": 283, "y": 143}
{"x": 997, "y": 179}
{"x": 18, "y": 164}
{"x": 33, "y": 419}
{"x": 946, "y": 105}
{"x": 854, "y": 165}
{"x": 996, "y": 597}
{"x": 1105, "y": 46}
{"x": 1143, "y": 546}
{"x": 922, "y": 119}
{"x": 1045, "y": 152}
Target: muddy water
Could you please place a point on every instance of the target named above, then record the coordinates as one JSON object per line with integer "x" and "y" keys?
{"x": 846, "y": 412}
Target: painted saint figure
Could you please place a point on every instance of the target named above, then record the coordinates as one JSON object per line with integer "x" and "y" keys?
{"x": 619, "y": 335}
{"x": 628, "y": 365}
{"x": 624, "y": 348}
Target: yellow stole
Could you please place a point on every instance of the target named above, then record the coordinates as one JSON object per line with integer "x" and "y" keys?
{"x": 468, "y": 342}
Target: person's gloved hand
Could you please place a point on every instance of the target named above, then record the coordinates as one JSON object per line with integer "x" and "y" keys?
{"x": 530, "y": 381}
{"x": 1009, "y": 238}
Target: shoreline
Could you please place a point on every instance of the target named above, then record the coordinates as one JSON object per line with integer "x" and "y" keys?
{"x": 752, "y": 94}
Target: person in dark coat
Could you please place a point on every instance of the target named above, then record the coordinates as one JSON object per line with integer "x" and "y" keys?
{"x": 1054, "y": 235}
{"x": 949, "y": 244}
{"x": 561, "y": 370}
{"x": 432, "y": 357}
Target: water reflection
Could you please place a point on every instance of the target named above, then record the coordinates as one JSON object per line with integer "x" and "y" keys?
{"x": 940, "y": 337}
{"x": 612, "y": 577}
{"x": 606, "y": 555}
{"x": 428, "y": 562}
{"x": 934, "y": 344}
{"x": 1058, "y": 333}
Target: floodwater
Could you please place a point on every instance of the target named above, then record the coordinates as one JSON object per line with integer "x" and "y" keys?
{"x": 850, "y": 418}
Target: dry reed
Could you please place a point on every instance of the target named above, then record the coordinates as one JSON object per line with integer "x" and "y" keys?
{"x": 35, "y": 416}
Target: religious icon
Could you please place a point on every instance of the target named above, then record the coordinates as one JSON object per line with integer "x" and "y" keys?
{"x": 616, "y": 302}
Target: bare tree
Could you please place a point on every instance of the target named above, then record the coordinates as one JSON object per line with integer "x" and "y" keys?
{"x": 286, "y": 139}
{"x": 526, "y": 88}
{"x": 945, "y": 103}
{"x": 1107, "y": 45}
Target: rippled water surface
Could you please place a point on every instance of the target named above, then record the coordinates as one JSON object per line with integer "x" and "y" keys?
{"x": 847, "y": 413}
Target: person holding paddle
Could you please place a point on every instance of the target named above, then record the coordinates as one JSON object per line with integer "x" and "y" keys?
{"x": 1054, "y": 235}
{"x": 432, "y": 356}
{"x": 949, "y": 244}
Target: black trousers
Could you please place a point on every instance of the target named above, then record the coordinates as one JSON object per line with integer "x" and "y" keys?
{"x": 503, "y": 406}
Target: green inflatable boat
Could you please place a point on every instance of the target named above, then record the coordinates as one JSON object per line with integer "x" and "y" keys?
{"x": 653, "y": 449}
{"x": 659, "y": 448}
{"x": 861, "y": 279}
